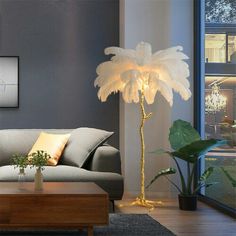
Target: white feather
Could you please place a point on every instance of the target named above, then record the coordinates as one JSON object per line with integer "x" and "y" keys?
{"x": 131, "y": 70}
{"x": 166, "y": 92}
{"x": 143, "y": 53}
{"x": 120, "y": 51}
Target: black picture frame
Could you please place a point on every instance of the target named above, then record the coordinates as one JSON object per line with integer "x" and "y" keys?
{"x": 9, "y": 83}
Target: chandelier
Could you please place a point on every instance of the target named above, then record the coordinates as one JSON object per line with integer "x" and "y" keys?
{"x": 215, "y": 102}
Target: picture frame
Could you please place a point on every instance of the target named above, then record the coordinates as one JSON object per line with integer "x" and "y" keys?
{"x": 9, "y": 81}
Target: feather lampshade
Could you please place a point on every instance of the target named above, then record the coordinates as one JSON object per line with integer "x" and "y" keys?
{"x": 138, "y": 75}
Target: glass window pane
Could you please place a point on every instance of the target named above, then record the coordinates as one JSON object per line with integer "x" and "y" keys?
{"x": 220, "y": 123}
{"x": 220, "y": 11}
{"x": 215, "y": 48}
{"x": 232, "y": 48}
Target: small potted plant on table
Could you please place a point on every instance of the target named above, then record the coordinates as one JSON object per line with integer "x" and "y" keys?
{"x": 20, "y": 162}
{"x": 188, "y": 147}
{"x": 38, "y": 160}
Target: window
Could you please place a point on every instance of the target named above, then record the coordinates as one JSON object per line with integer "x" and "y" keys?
{"x": 215, "y": 96}
{"x": 215, "y": 48}
{"x": 232, "y": 48}
{"x": 220, "y": 48}
{"x": 220, "y": 11}
{"x": 220, "y": 99}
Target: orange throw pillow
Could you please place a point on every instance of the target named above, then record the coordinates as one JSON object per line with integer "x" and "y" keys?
{"x": 53, "y": 144}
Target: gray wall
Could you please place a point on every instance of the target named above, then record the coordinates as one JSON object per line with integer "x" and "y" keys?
{"x": 60, "y": 43}
{"x": 169, "y": 23}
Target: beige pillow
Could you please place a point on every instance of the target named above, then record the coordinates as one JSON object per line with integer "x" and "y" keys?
{"x": 53, "y": 144}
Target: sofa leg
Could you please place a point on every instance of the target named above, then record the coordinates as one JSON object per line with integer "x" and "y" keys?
{"x": 113, "y": 205}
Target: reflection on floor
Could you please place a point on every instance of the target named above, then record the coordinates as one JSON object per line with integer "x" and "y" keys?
{"x": 224, "y": 175}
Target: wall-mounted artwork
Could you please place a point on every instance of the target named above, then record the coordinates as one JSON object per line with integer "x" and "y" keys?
{"x": 9, "y": 81}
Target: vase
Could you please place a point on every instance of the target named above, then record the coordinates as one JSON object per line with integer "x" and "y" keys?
{"x": 21, "y": 178}
{"x": 187, "y": 203}
{"x": 38, "y": 180}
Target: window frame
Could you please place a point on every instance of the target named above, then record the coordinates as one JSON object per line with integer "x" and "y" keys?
{"x": 214, "y": 68}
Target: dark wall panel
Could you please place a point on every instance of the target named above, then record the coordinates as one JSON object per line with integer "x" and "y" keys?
{"x": 60, "y": 43}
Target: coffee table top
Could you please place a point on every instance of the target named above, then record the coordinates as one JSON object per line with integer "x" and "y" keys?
{"x": 52, "y": 188}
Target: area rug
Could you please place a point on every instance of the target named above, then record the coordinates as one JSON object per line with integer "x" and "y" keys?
{"x": 120, "y": 225}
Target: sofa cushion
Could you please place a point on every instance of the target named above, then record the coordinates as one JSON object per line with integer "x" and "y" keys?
{"x": 82, "y": 142}
{"x": 20, "y": 141}
{"x": 110, "y": 182}
{"x": 52, "y": 144}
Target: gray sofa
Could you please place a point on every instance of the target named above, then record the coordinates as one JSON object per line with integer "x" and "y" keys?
{"x": 102, "y": 164}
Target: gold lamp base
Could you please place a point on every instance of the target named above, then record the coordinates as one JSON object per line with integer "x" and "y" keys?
{"x": 143, "y": 203}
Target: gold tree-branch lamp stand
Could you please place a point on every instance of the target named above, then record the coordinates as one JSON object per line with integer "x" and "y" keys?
{"x": 141, "y": 199}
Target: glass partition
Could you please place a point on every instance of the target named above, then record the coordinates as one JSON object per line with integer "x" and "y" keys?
{"x": 218, "y": 107}
{"x": 220, "y": 123}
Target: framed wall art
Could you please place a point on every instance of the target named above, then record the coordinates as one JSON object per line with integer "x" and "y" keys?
{"x": 9, "y": 81}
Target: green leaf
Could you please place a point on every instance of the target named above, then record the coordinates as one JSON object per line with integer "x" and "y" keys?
{"x": 193, "y": 151}
{"x": 39, "y": 159}
{"x": 229, "y": 177}
{"x": 168, "y": 171}
{"x": 207, "y": 173}
{"x": 159, "y": 151}
{"x": 181, "y": 134}
{"x": 206, "y": 185}
{"x": 20, "y": 161}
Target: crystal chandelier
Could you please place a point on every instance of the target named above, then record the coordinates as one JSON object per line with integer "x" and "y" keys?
{"x": 215, "y": 102}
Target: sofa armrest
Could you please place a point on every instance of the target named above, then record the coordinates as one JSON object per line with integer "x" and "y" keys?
{"x": 106, "y": 159}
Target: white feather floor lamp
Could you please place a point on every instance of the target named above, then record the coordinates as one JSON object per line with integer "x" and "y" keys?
{"x": 138, "y": 75}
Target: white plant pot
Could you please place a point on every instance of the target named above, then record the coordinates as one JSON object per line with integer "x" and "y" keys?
{"x": 38, "y": 180}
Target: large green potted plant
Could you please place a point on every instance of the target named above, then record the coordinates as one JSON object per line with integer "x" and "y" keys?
{"x": 38, "y": 160}
{"x": 188, "y": 147}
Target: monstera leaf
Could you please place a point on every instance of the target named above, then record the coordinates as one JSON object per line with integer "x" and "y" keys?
{"x": 202, "y": 180}
{"x": 193, "y": 151}
{"x": 181, "y": 134}
{"x": 168, "y": 171}
{"x": 188, "y": 146}
{"x": 207, "y": 173}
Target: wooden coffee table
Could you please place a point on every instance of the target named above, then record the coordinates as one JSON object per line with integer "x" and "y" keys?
{"x": 58, "y": 205}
